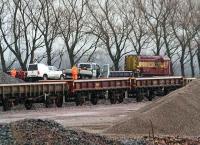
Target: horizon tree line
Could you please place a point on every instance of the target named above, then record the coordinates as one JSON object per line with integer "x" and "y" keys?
{"x": 30, "y": 30}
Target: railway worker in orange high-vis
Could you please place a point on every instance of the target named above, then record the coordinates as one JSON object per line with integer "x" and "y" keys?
{"x": 13, "y": 72}
{"x": 74, "y": 73}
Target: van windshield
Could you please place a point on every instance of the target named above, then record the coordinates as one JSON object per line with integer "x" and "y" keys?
{"x": 33, "y": 67}
{"x": 84, "y": 66}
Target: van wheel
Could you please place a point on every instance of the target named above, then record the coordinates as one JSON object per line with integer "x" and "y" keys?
{"x": 62, "y": 77}
{"x": 45, "y": 77}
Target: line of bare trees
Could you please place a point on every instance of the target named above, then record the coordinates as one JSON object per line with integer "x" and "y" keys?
{"x": 30, "y": 31}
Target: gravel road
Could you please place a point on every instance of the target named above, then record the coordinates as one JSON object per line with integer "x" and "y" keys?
{"x": 94, "y": 119}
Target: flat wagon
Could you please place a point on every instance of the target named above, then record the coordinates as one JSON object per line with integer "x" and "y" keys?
{"x": 28, "y": 93}
{"x": 79, "y": 91}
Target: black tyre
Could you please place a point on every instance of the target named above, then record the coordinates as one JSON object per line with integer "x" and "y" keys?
{"x": 113, "y": 100}
{"x": 59, "y": 101}
{"x": 48, "y": 103}
{"x": 45, "y": 77}
{"x": 139, "y": 98}
{"x": 6, "y": 104}
{"x": 151, "y": 95}
{"x": 28, "y": 104}
{"x": 62, "y": 77}
{"x": 77, "y": 102}
{"x": 165, "y": 92}
{"x": 94, "y": 100}
{"x": 121, "y": 99}
{"x": 80, "y": 101}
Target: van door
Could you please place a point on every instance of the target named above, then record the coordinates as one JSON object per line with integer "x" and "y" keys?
{"x": 32, "y": 70}
{"x": 105, "y": 73}
{"x": 50, "y": 72}
{"x": 94, "y": 71}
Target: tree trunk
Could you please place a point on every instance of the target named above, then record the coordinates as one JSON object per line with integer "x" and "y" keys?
{"x": 71, "y": 58}
{"x": 32, "y": 57}
{"x": 198, "y": 57}
{"x": 22, "y": 65}
{"x": 116, "y": 65}
{"x": 182, "y": 67}
{"x": 171, "y": 66}
{"x": 191, "y": 61}
{"x": 192, "y": 67}
{"x": 3, "y": 62}
{"x": 48, "y": 57}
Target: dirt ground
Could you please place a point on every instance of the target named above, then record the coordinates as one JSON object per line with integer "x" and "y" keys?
{"x": 93, "y": 119}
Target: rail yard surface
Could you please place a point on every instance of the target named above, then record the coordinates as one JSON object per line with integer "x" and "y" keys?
{"x": 119, "y": 108}
{"x": 90, "y": 118}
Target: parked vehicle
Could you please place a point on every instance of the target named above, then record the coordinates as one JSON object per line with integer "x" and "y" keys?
{"x": 40, "y": 71}
{"x": 86, "y": 71}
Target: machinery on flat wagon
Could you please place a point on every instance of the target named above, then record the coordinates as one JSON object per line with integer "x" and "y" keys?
{"x": 148, "y": 65}
{"x": 86, "y": 71}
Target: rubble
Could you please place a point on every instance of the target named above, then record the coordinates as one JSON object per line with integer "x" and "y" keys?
{"x": 42, "y": 132}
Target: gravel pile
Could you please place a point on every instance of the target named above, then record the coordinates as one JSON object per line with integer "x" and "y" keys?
{"x": 6, "y": 79}
{"x": 43, "y": 132}
{"x": 171, "y": 140}
{"x": 175, "y": 114}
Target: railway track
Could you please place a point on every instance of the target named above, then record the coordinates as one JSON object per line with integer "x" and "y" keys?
{"x": 79, "y": 91}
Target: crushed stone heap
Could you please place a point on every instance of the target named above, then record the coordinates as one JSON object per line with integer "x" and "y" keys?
{"x": 178, "y": 113}
{"x": 6, "y": 79}
{"x": 42, "y": 132}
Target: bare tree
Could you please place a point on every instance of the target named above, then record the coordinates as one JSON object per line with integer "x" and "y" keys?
{"x": 15, "y": 33}
{"x": 153, "y": 12}
{"x": 72, "y": 19}
{"x": 139, "y": 36}
{"x": 111, "y": 27}
{"x": 2, "y": 50}
{"x": 47, "y": 25}
{"x": 18, "y": 32}
{"x": 197, "y": 41}
{"x": 184, "y": 31}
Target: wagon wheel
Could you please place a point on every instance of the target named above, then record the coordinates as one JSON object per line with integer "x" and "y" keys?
{"x": 94, "y": 100}
{"x": 77, "y": 102}
{"x": 6, "y": 104}
{"x": 151, "y": 95}
{"x": 48, "y": 103}
{"x": 28, "y": 104}
{"x": 139, "y": 96}
{"x": 165, "y": 92}
{"x": 59, "y": 101}
{"x": 80, "y": 101}
{"x": 121, "y": 99}
{"x": 113, "y": 100}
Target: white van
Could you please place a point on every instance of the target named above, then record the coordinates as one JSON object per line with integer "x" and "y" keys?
{"x": 39, "y": 71}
